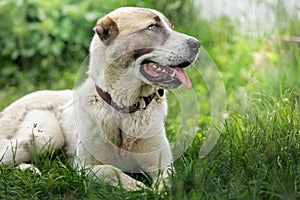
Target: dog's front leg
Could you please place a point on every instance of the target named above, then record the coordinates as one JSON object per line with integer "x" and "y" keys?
{"x": 155, "y": 159}
{"x": 161, "y": 178}
{"x": 115, "y": 177}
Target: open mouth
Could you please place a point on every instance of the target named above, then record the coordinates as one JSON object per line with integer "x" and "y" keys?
{"x": 165, "y": 76}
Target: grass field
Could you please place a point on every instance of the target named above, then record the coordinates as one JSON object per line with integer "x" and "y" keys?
{"x": 257, "y": 153}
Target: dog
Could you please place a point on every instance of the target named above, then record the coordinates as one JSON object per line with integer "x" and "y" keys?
{"x": 113, "y": 122}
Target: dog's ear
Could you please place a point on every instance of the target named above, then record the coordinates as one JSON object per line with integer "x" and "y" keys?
{"x": 107, "y": 29}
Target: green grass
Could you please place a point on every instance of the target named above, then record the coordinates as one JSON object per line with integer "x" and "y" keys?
{"x": 257, "y": 155}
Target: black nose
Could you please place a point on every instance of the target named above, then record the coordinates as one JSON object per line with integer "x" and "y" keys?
{"x": 194, "y": 44}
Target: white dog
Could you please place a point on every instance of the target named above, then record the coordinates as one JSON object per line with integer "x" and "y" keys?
{"x": 112, "y": 123}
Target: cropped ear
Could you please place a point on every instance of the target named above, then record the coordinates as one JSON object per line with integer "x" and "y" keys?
{"x": 107, "y": 29}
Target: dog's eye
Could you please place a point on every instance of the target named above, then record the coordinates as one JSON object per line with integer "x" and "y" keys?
{"x": 154, "y": 27}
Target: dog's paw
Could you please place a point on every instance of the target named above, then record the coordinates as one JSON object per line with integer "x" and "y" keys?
{"x": 133, "y": 185}
{"x": 30, "y": 167}
{"x": 159, "y": 187}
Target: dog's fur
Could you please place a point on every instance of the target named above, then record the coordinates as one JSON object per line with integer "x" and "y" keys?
{"x": 94, "y": 134}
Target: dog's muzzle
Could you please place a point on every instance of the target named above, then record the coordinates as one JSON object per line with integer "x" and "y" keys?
{"x": 169, "y": 76}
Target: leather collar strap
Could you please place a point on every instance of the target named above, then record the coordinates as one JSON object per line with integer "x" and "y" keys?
{"x": 128, "y": 109}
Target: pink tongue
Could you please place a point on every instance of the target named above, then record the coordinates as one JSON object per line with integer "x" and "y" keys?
{"x": 183, "y": 77}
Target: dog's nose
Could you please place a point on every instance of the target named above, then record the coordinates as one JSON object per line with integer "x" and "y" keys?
{"x": 194, "y": 44}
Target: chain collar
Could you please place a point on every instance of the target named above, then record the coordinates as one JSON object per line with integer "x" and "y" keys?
{"x": 129, "y": 109}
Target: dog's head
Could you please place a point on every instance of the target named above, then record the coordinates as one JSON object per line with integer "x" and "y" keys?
{"x": 140, "y": 44}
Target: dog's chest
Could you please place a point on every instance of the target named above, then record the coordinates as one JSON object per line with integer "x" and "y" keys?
{"x": 126, "y": 142}
{"x": 124, "y": 130}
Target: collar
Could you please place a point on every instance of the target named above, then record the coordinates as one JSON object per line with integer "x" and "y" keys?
{"x": 129, "y": 109}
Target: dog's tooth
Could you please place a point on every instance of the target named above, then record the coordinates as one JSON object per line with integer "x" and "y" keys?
{"x": 163, "y": 71}
{"x": 173, "y": 74}
{"x": 158, "y": 68}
